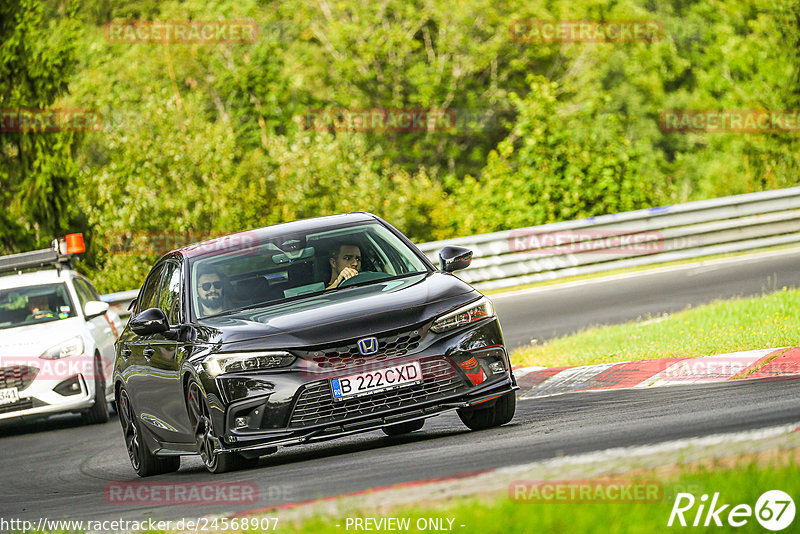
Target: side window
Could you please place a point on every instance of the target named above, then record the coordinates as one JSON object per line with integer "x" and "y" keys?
{"x": 170, "y": 300}
{"x": 92, "y": 291}
{"x": 148, "y": 296}
{"x": 84, "y": 295}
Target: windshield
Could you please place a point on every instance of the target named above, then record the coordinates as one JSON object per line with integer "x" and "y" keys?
{"x": 21, "y": 306}
{"x": 299, "y": 265}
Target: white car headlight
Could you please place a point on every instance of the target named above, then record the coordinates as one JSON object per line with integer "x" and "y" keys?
{"x": 470, "y": 313}
{"x": 70, "y": 347}
{"x": 236, "y": 362}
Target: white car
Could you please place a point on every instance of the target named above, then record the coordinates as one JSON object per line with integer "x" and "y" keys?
{"x": 56, "y": 337}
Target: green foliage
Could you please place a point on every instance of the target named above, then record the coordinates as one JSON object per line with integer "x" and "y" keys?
{"x": 204, "y": 139}
{"x": 37, "y": 169}
{"x": 557, "y": 164}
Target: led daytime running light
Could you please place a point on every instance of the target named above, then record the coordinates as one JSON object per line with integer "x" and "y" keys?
{"x": 470, "y": 313}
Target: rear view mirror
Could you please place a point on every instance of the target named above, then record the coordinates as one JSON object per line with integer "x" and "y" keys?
{"x": 94, "y": 308}
{"x": 290, "y": 256}
{"x": 150, "y": 321}
{"x": 454, "y": 258}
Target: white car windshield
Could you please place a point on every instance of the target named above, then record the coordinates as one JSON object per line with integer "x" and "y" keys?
{"x": 298, "y": 265}
{"x": 21, "y": 306}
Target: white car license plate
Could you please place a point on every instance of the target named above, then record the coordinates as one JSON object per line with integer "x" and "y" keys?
{"x": 9, "y": 396}
{"x": 374, "y": 381}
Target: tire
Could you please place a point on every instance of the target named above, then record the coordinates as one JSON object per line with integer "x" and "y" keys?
{"x": 200, "y": 416}
{"x": 98, "y": 413}
{"x": 403, "y": 428}
{"x": 482, "y": 418}
{"x": 143, "y": 461}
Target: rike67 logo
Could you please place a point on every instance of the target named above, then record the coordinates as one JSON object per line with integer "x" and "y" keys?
{"x": 774, "y": 510}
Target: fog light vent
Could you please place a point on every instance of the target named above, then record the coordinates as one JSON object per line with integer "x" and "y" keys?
{"x": 70, "y": 386}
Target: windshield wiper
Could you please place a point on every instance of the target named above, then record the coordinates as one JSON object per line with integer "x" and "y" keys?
{"x": 377, "y": 280}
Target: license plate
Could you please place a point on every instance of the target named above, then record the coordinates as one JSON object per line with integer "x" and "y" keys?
{"x": 369, "y": 382}
{"x": 9, "y": 396}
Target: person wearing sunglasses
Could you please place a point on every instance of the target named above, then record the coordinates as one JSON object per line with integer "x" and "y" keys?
{"x": 210, "y": 293}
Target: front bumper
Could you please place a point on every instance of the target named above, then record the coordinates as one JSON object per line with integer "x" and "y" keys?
{"x": 51, "y": 390}
{"x": 369, "y": 422}
{"x": 461, "y": 369}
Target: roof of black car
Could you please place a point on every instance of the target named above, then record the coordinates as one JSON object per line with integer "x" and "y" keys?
{"x": 259, "y": 235}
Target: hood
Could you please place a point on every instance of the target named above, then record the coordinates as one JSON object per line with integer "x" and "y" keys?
{"x": 34, "y": 339}
{"x": 342, "y": 314}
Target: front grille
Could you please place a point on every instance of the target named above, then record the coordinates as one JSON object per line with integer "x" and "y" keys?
{"x": 18, "y": 376}
{"x": 315, "y": 403}
{"x": 22, "y": 404}
{"x": 388, "y": 347}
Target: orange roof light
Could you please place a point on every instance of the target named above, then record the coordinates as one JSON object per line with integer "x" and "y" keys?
{"x": 75, "y": 244}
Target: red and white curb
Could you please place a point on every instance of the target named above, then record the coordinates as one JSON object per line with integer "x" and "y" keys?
{"x": 546, "y": 381}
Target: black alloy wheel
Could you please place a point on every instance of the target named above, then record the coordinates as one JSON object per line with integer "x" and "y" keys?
{"x": 200, "y": 416}
{"x": 143, "y": 461}
{"x": 98, "y": 413}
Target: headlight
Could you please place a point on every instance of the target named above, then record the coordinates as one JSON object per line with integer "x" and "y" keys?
{"x": 464, "y": 315}
{"x": 236, "y": 362}
{"x": 71, "y": 347}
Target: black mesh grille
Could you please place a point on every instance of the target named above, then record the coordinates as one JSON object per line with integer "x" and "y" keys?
{"x": 19, "y": 376}
{"x": 315, "y": 404}
{"x": 22, "y": 404}
{"x": 389, "y": 346}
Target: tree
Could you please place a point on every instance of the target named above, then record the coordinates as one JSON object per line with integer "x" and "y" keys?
{"x": 37, "y": 170}
{"x": 560, "y": 162}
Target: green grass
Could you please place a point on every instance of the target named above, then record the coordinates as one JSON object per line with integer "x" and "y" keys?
{"x": 771, "y": 320}
{"x": 740, "y": 484}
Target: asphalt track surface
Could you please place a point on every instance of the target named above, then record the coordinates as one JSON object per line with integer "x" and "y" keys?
{"x": 552, "y": 311}
{"x": 60, "y": 469}
{"x": 61, "y": 472}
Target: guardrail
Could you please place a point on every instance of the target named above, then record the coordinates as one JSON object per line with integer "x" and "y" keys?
{"x": 629, "y": 239}
{"x": 119, "y": 302}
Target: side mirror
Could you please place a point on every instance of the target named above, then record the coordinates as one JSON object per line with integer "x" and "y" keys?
{"x": 150, "y": 321}
{"x": 454, "y": 258}
{"x": 94, "y": 308}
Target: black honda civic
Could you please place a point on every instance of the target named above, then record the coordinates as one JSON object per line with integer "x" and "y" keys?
{"x": 302, "y": 332}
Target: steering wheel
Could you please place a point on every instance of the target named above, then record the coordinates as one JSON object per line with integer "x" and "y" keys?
{"x": 365, "y": 276}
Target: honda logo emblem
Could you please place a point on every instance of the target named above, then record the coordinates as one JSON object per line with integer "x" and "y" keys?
{"x": 368, "y": 345}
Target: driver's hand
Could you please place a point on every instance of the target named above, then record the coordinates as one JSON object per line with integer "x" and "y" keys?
{"x": 347, "y": 272}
